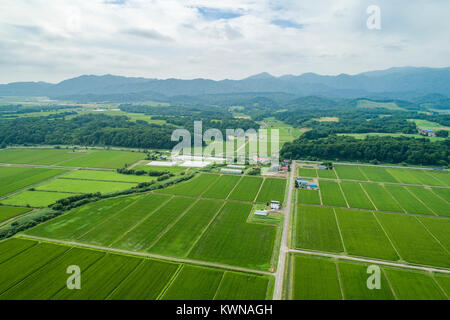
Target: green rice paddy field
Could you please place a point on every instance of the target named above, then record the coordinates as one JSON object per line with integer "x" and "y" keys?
{"x": 318, "y": 278}
{"x": 37, "y": 270}
{"x": 7, "y": 213}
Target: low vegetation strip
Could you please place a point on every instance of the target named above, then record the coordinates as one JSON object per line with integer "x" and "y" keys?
{"x": 7, "y": 213}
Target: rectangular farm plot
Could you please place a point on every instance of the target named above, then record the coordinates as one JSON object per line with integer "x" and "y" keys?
{"x": 84, "y": 186}
{"x": 47, "y": 281}
{"x": 182, "y": 235}
{"x": 105, "y": 159}
{"x": 378, "y": 174}
{"x": 413, "y": 242}
{"x": 414, "y": 176}
{"x": 25, "y": 263}
{"x": 194, "y": 187}
{"x": 119, "y": 223}
{"x": 354, "y": 283}
{"x": 241, "y": 286}
{"x": 7, "y": 213}
{"x": 247, "y": 189}
{"x": 231, "y": 240}
{"x": 11, "y": 247}
{"x": 363, "y": 235}
{"x": 381, "y": 198}
{"x": 328, "y": 174}
{"x": 444, "y": 282}
{"x": 37, "y": 156}
{"x": 439, "y": 228}
{"x": 146, "y": 282}
{"x": 317, "y": 229}
{"x": 355, "y": 195}
{"x": 435, "y": 203}
{"x": 101, "y": 279}
{"x": 413, "y": 285}
{"x": 307, "y": 172}
{"x": 222, "y": 187}
{"x": 441, "y": 176}
{"x": 443, "y": 193}
{"x": 78, "y": 221}
{"x": 107, "y": 176}
{"x": 194, "y": 283}
{"x": 308, "y": 196}
{"x": 315, "y": 279}
{"x": 16, "y": 178}
{"x": 272, "y": 189}
{"x": 36, "y": 199}
{"x": 407, "y": 200}
{"x": 331, "y": 194}
{"x": 147, "y": 232}
{"x": 350, "y": 173}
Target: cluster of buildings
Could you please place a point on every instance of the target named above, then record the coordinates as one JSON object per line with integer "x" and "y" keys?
{"x": 427, "y": 132}
{"x": 274, "y": 205}
{"x": 307, "y": 184}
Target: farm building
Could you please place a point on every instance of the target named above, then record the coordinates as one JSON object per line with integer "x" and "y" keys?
{"x": 261, "y": 213}
{"x": 321, "y": 167}
{"x": 275, "y": 205}
{"x": 284, "y": 169}
{"x": 234, "y": 171}
{"x": 427, "y": 132}
{"x": 233, "y": 166}
{"x": 306, "y": 184}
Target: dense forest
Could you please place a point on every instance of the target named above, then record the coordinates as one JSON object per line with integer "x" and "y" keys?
{"x": 418, "y": 151}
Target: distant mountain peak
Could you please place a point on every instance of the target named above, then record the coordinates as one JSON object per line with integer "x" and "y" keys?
{"x": 260, "y": 76}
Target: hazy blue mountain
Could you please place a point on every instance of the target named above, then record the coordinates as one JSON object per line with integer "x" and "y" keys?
{"x": 407, "y": 82}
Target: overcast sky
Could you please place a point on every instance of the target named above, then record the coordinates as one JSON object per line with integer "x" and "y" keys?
{"x": 42, "y": 40}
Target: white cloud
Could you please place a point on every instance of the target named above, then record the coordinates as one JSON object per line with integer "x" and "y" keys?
{"x": 168, "y": 38}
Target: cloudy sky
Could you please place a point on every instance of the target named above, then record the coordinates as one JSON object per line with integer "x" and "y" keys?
{"x": 42, "y": 40}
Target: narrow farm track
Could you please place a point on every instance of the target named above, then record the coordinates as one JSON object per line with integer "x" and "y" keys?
{"x": 148, "y": 255}
{"x": 372, "y": 261}
{"x": 284, "y": 249}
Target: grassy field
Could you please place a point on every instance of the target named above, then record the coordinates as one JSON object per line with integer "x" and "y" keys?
{"x": 355, "y": 195}
{"x": 435, "y": 203}
{"x": 408, "y": 201}
{"x": 35, "y": 198}
{"x": 308, "y": 196}
{"x": 326, "y": 279}
{"x": 105, "y": 159}
{"x": 317, "y": 229}
{"x": 272, "y": 189}
{"x": 331, "y": 194}
{"x": 382, "y": 199}
{"x": 7, "y": 213}
{"x": 194, "y": 187}
{"x": 159, "y": 168}
{"x": 16, "y": 178}
{"x": 350, "y": 172}
{"x": 307, "y": 172}
{"x": 247, "y": 189}
{"x": 231, "y": 240}
{"x": 222, "y": 187}
{"x": 106, "y": 176}
{"x": 38, "y": 271}
{"x": 38, "y": 156}
{"x": 84, "y": 186}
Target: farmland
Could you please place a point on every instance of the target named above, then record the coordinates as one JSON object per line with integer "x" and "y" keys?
{"x": 272, "y": 189}
{"x": 84, "y": 186}
{"x": 323, "y": 278}
{"x": 247, "y": 189}
{"x": 7, "y": 213}
{"x": 38, "y": 271}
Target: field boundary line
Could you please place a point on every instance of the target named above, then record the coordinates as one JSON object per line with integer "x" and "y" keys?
{"x": 237, "y": 183}
{"x": 425, "y": 205}
{"x": 426, "y": 173}
{"x": 389, "y": 284}
{"x": 338, "y": 273}
{"x": 437, "y": 195}
{"x": 149, "y": 255}
{"x": 393, "y": 198}
{"x": 206, "y": 228}
{"x": 169, "y": 283}
{"x": 124, "y": 279}
{"x": 220, "y": 283}
{"x": 431, "y": 233}
{"x": 259, "y": 190}
{"x": 320, "y": 193}
{"x": 439, "y": 286}
{"x": 20, "y": 252}
{"x": 343, "y": 194}
{"x": 140, "y": 221}
{"x": 160, "y": 235}
{"x": 109, "y": 218}
{"x": 387, "y": 236}
{"x": 211, "y": 184}
{"x": 339, "y": 229}
{"x": 33, "y": 210}
{"x": 368, "y": 197}
{"x": 41, "y": 267}
{"x": 372, "y": 261}
{"x": 363, "y": 173}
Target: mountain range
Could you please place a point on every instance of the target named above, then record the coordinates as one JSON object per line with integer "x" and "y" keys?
{"x": 394, "y": 83}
